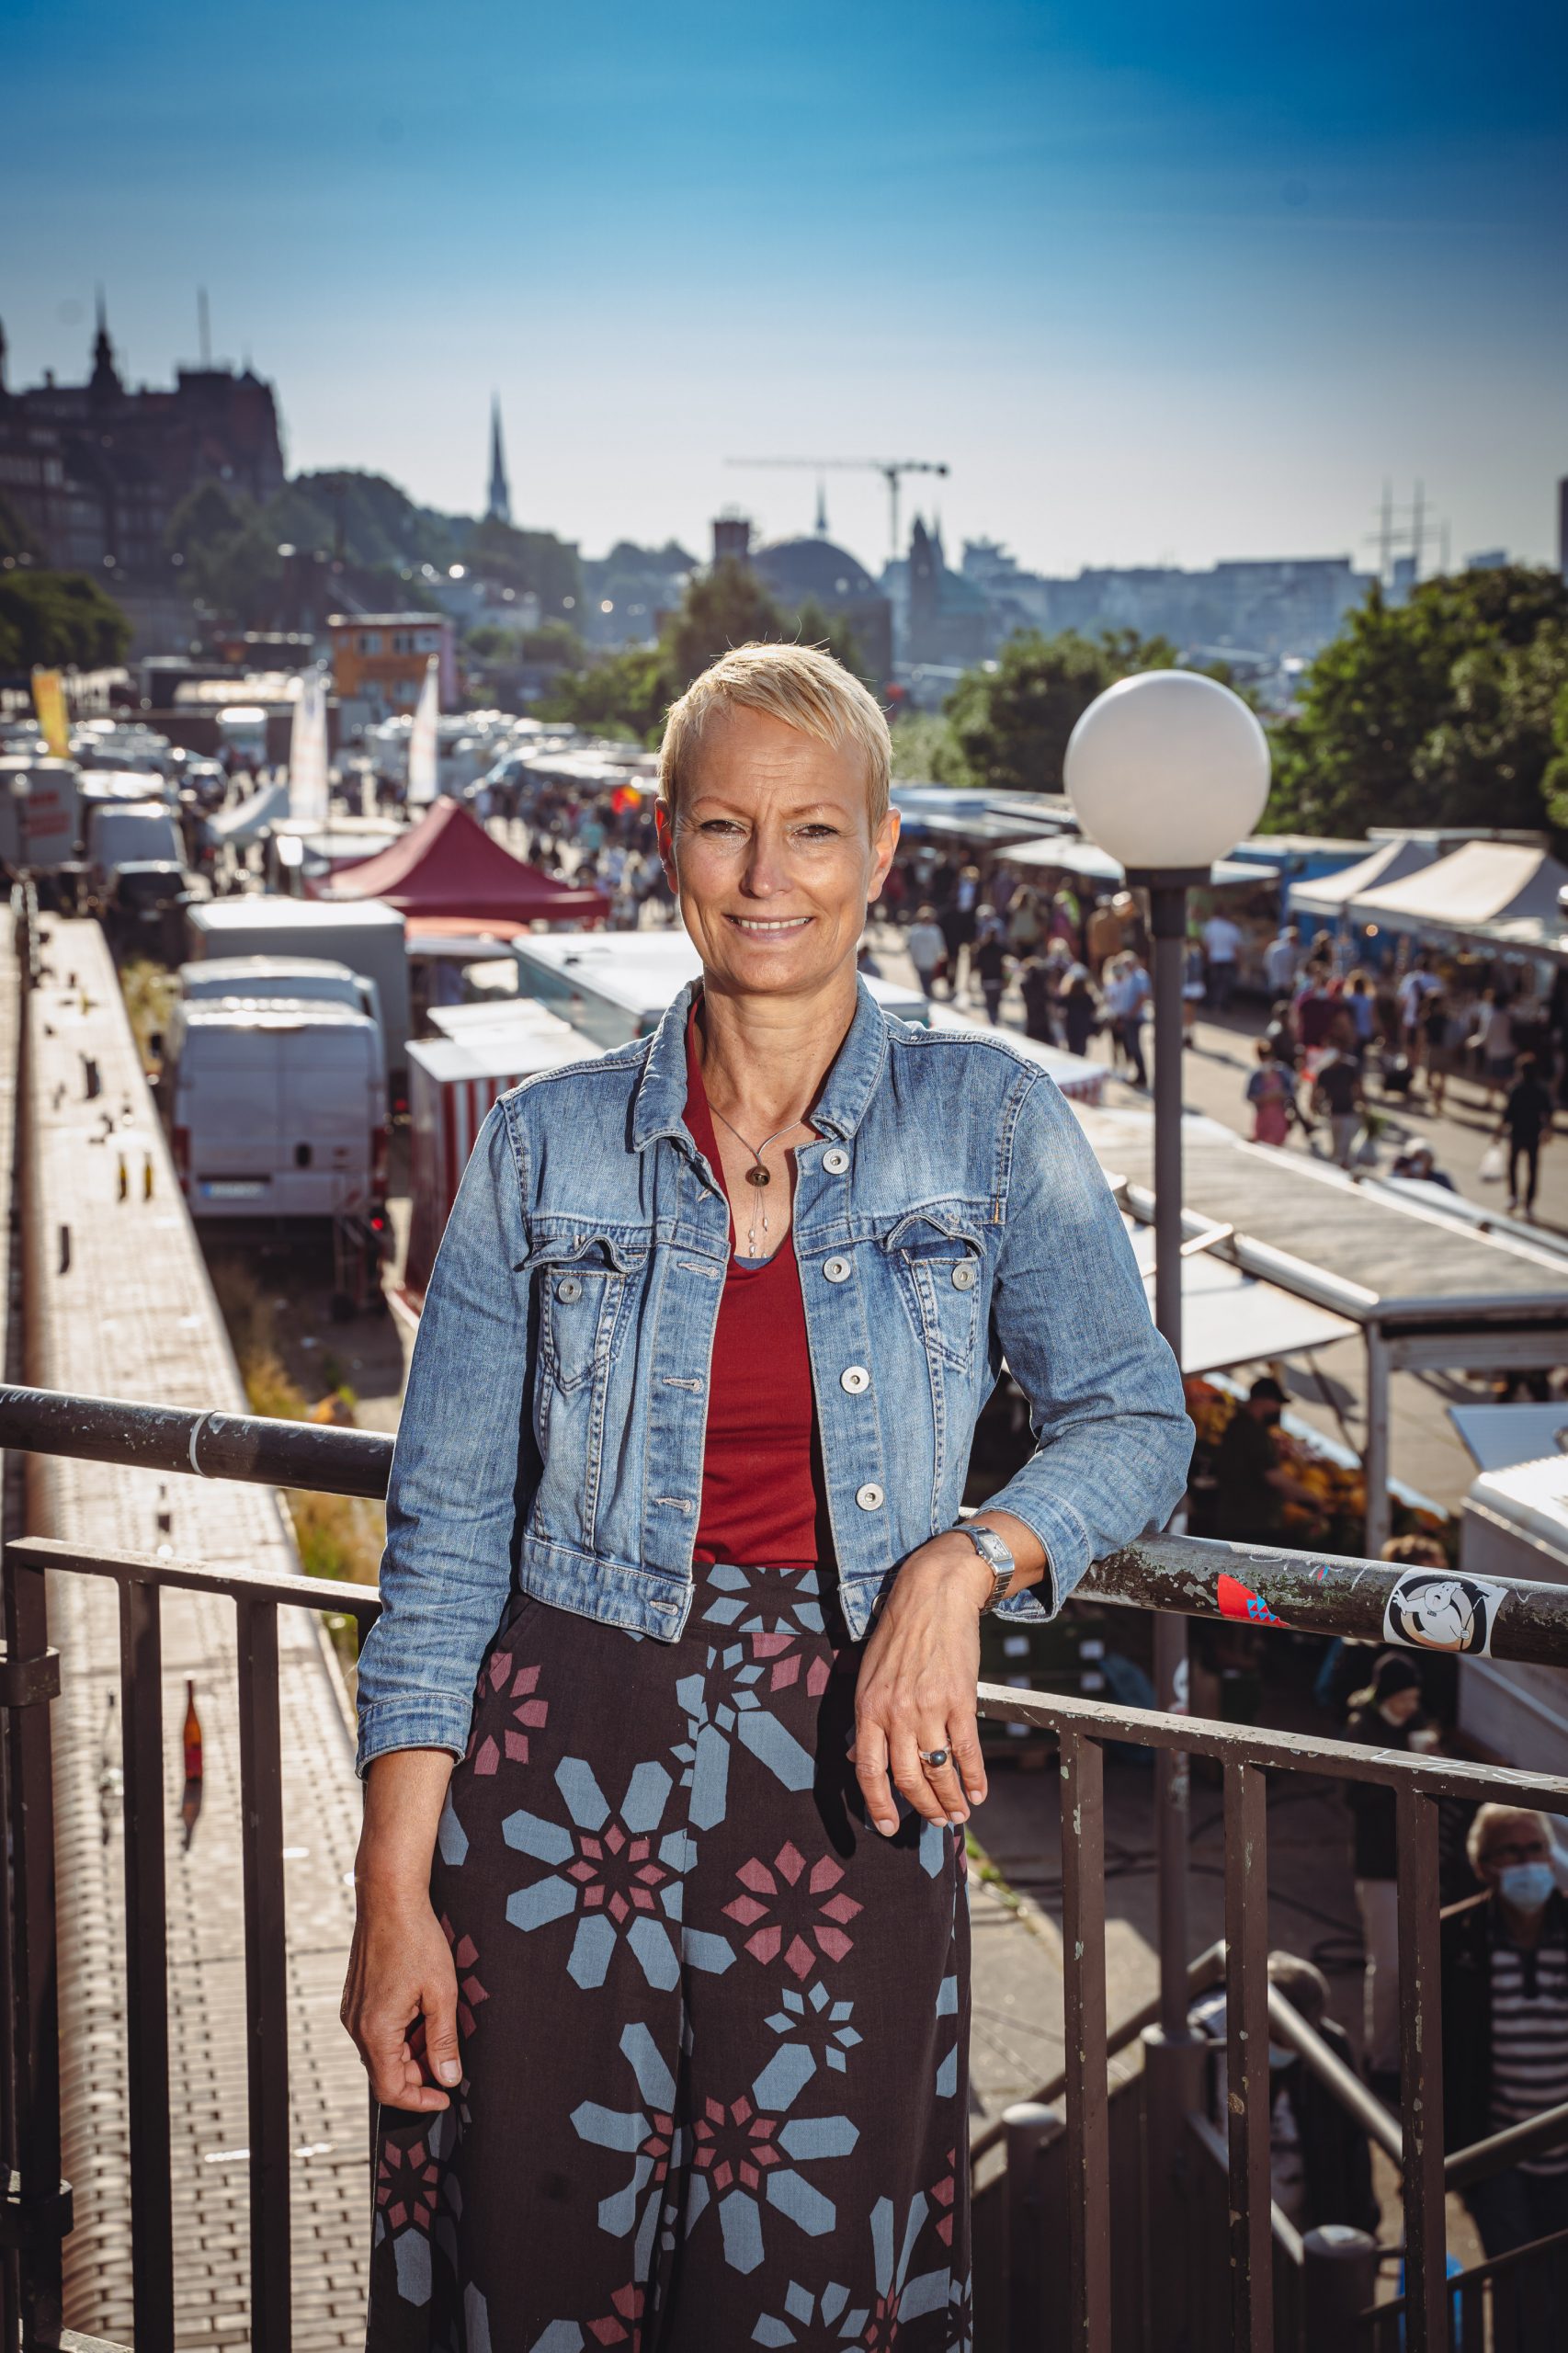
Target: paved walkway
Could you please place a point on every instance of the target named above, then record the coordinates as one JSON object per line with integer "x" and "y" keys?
{"x": 134, "y": 1317}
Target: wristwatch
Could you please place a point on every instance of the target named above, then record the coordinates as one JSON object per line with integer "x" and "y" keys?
{"x": 997, "y": 1559}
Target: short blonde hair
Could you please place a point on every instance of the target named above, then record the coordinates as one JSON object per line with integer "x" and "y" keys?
{"x": 799, "y": 684}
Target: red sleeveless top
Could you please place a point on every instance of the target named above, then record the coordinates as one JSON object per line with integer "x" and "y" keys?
{"x": 762, "y": 1503}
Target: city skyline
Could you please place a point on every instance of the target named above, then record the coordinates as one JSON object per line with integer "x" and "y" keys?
{"x": 1153, "y": 294}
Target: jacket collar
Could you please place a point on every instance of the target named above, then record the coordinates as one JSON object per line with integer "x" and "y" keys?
{"x": 660, "y": 1106}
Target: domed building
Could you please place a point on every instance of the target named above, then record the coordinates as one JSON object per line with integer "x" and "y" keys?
{"x": 815, "y": 569}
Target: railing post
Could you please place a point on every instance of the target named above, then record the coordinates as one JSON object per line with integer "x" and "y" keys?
{"x": 1339, "y": 2279}
{"x": 1175, "y": 2084}
{"x": 1421, "y": 2070}
{"x": 35, "y": 2202}
{"x": 1031, "y": 2131}
{"x": 266, "y": 1981}
{"x": 146, "y": 1965}
{"x": 1088, "y": 2120}
{"x": 1246, "y": 2058}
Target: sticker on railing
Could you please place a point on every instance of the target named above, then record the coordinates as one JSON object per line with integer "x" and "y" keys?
{"x": 1430, "y": 1610}
{"x": 1236, "y": 1600}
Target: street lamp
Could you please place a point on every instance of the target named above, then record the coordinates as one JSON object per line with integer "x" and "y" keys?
{"x": 1166, "y": 772}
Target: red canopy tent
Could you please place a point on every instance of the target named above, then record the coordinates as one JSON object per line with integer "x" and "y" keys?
{"x": 447, "y": 865}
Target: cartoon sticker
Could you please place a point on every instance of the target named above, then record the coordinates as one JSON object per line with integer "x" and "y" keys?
{"x": 1429, "y": 1609}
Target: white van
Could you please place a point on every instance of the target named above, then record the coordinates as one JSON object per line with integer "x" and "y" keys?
{"x": 308, "y": 979}
{"x": 129, "y": 833}
{"x": 364, "y": 934}
{"x": 278, "y": 1109}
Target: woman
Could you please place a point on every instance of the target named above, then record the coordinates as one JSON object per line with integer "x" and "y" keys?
{"x": 989, "y": 963}
{"x": 1272, "y": 1095}
{"x": 1080, "y": 1010}
{"x": 660, "y": 1972}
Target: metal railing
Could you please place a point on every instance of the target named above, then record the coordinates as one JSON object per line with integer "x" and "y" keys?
{"x": 1513, "y": 2303}
{"x": 1336, "y": 1595}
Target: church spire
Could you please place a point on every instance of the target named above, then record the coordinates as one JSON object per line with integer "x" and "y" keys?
{"x": 105, "y": 377}
{"x": 822, "y": 509}
{"x": 499, "y": 508}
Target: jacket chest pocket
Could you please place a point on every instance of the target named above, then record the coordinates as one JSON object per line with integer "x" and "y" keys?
{"x": 584, "y": 1287}
{"x": 939, "y": 1264}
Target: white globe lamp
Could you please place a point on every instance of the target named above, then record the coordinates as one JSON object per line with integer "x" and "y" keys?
{"x": 1167, "y": 772}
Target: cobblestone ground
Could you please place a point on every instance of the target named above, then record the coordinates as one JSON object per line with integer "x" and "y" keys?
{"x": 133, "y": 1316}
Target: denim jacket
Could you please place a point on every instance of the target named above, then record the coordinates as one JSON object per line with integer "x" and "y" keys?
{"x": 949, "y": 1215}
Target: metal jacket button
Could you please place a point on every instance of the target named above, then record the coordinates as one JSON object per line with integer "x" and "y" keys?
{"x": 870, "y": 1496}
{"x": 836, "y": 1161}
{"x": 963, "y": 1274}
{"x": 568, "y": 1289}
{"x": 855, "y": 1377}
{"x": 836, "y": 1270}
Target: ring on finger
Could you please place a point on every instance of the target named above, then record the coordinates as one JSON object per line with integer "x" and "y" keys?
{"x": 934, "y": 1757}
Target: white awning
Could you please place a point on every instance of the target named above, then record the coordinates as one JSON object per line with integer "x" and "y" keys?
{"x": 1485, "y": 883}
{"x": 1071, "y": 855}
{"x": 1332, "y": 894}
{"x": 1498, "y": 1436}
{"x": 247, "y": 820}
{"x": 1230, "y": 1318}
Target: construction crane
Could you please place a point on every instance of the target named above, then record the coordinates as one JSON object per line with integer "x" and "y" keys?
{"x": 890, "y": 469}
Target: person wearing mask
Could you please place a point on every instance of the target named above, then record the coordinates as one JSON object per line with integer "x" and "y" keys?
{"x": 928, "y": 950}
{"x": 1418, "y": 1163}
{"x": 1337, "y": 1096}
{"x": 1320, "y": 2163}
{"x": 1252, "y": 1484}
{"x": 1386, "y": 1714}
{"x": 1504, "y": 1978}
{"x": 1221, "y": 947}
{"x": 1526, "y": 1123}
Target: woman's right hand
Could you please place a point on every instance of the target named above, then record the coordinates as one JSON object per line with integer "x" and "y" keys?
{"x": 400, "y": 2000}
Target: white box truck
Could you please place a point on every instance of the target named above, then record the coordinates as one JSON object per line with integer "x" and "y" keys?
{"x": 364, "y": 934}
{"x": 39, "y": 813}
{"x": 276, "y": 1111}
{"x": 251, "y": 979}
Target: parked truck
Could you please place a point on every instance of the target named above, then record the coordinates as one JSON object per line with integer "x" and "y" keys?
{"x": 364, "y": 934}
{"x": 276, "y": 1109}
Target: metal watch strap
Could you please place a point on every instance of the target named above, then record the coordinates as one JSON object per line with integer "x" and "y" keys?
{"x": 997, "y": 1559}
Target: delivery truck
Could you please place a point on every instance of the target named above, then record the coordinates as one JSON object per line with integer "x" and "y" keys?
{"x": 364, "y": 934}
{"x": 276, "y": 1111}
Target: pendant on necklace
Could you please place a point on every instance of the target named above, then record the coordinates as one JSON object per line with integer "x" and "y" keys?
{"x": 759, "y": 1176}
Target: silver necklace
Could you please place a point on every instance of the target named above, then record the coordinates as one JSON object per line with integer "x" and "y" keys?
{"x": 757, "y": 1177}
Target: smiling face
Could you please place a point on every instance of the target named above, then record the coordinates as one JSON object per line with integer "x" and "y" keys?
{"x": 772, "y": 856}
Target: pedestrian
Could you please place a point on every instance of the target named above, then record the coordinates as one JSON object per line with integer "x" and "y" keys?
{"x": 1037, "y": 986}
{"x": 1282, "y": 960}
{"x": 957, "y": 920}
{"x": 660, "y": 1968}
{"x": 1102, "y": 937}
{"x": 1494, "y": 1040}
{"x": 1126, "y": 994}
{"x": 989, "y": 962}
{"x": 1252, "y": 1484}
{"x": 1273, "y": 1097}
{"x": 1320, "y": 2162}
{"x": 1436, "y": 1027}
{"x": 1337, "y": 1096}
{"x": 1026, "y": 925}
{"x": 1194, "y": 986}
{"x": 1418, "y": 985}
{"x": 1526, "y": 1123}
{"x": 1505, "y": 1980}
{"x": 1315, "y": 1009}
{"x": 1221, "y": 947}
{"x": 1417, "y": 1163}
{"x": 928, "y": 950}
{"x": 1385, "y": 1715}
{"x": 1080, "y": 1010}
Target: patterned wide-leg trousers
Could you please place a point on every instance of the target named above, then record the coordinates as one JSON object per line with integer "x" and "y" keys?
{"x": 713, "y": 2026}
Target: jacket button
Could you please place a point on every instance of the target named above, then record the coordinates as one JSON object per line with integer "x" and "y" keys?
{"x": 963, "y": 1274}
{"x": 870, "y": 1496}
{"x": 568, "y": 1289}
{"x": 836, "y": 1161}
{"x": 836, "y": 1270}
{"x": 855, "y": 1377}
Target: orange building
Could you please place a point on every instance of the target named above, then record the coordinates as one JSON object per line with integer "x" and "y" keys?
{"x": 379, "y": 661}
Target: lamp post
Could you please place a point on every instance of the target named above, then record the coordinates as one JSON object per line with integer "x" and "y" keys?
{"x": 1165, "y": 772}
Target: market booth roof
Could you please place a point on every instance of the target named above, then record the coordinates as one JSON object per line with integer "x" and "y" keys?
{"x": 447, "y": 865}
{"x": 1485, "y": 883}
{"x": 1070, "y": 855}
{"x": 1333, "y": 894}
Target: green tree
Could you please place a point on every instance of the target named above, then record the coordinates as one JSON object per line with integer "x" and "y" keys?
{"x": 61, "y": 620}
{"x": 626, "y": 694}
{"x": 1437, "y": 711}
{"x": 534, "y": 562}
{"x": 1011, "y": 720}
{"x": 925, "y": 751}
{"x": 728, "y": 606}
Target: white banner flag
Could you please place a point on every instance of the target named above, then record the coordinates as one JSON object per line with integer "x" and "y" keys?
{"x": 422, "y": 742}
{"x": 309, "y": 801}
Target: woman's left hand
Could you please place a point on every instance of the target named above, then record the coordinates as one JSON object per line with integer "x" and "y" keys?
{"x": 917, "y": 1688}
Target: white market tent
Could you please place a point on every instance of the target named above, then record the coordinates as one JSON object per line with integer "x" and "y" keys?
{"x": 1231, "y": 1318}
{"x": 1072, "y": 856}
{"x": 1485, "y": 883}
{"x": 1331, "y": 895}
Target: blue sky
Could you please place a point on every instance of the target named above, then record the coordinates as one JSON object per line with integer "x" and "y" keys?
{"x": 1157, "y": 284}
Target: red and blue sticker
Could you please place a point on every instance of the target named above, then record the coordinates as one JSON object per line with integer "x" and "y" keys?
{"x": 1236, "y": 1601}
